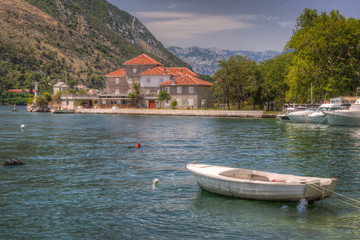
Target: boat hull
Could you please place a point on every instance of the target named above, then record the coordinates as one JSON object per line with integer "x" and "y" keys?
{"x": 259, "y": 189}
{"x": 300, "y": 116}
{"x": 343, "y": 118}
{"x": 63, "y": 111}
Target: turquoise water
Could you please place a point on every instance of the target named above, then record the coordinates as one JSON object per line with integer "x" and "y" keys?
{"x": 81, "y": 181}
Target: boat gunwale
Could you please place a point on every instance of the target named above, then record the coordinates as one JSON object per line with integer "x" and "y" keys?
{"x": 317, "y": 180}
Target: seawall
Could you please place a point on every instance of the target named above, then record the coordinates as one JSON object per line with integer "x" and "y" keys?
{"x": 168, "y": 112}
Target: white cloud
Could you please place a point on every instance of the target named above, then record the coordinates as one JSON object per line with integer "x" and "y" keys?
{"x": 286, "y": 24}
{"x": 177, "y": 25}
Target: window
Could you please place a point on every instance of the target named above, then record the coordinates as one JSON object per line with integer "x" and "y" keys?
{"x": 130, "y": 81}
{"x": 167, "y": 89}
{"x": 148, "y": 80}
{"x": 178, "y": 89}
{"x": 117, "y": 91}
{"x": 191, "y": 102}
{"x": 117, "y": 81}
{"x": 161, "y": 80}
{"x": 147, "y": 91}
{"x": 191, "y": 89}
{"x": 103, "y": 101}
{"x": 179, "y": 101}
{"x": 134, "y": 70}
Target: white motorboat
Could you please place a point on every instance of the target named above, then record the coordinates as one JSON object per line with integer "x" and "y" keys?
{"x": 300, "y": 116}
{"x": 284, "y": 116}
{"x": 258, "y": 185}
{"x": 318, "y": 116}
{"x": 350, "y": 117}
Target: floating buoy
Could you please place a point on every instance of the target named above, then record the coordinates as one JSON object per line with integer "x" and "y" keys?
{"x": 155, "y": 182}
{"x": 137, "y": 145}
{"x": 22, "y": 126}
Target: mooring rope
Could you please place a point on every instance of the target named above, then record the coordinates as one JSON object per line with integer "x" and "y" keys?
{"x": 326, "y": 117}
{"x": 322, "y": 189}
{"x": 156, "y": 181}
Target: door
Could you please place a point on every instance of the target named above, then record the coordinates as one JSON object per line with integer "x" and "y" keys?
{"x": 151, "y": 103}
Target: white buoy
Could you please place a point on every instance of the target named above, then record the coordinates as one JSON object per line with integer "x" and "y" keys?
{"x": 23, "y": 126}
{"x": 155, "y": 182}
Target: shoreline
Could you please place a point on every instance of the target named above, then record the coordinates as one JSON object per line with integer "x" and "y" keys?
{"x": 170, "y": 112}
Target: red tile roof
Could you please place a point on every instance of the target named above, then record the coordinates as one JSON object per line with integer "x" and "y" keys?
{"x": 176, "y": 71}
{"x": 120, "y": 73}
{"x": 188, "y": 80}
{"x": 142, "y": 60}
{"x": 19, "y": 90}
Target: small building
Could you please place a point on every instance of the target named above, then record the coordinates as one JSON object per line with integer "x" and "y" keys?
{"x": 71, "y": 101}
{"x": 61, "y": 86}
{"x": 190, "y": 92}
{"x": 344, "y": 101}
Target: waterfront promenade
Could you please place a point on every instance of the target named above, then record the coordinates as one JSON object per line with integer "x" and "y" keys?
{"x": 170, "y": 112}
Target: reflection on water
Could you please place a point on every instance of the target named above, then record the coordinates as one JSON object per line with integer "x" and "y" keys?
{"x": 81, "y": 181}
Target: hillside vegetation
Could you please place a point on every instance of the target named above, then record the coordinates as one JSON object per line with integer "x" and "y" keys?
{"x": 80, "y": 40}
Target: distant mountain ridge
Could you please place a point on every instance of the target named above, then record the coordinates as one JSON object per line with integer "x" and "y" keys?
{"x": 205, "y": 60}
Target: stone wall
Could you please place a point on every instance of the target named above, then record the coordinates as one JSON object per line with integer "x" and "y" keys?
{"x": 166, "y": 112}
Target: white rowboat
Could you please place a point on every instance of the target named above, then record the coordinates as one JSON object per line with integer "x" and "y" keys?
{"x": 258, "y": 185}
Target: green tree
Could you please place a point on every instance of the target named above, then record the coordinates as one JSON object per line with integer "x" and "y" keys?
{"x": 237, "y": 80}
{"x": 174, "y": 104}
{"x": 164, "y": 96}
{"x": 325, "y": 55}
{"x": 273, "y": 85}
{"x": 57, "y": 97}
{"x": 135, "y": 94}
{"x": 43, "y": 100}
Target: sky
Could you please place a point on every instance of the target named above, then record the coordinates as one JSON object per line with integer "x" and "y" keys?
{"x": 252, "y": 25}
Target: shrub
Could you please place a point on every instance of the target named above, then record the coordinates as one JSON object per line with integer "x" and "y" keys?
{"x": 174, "y": 104}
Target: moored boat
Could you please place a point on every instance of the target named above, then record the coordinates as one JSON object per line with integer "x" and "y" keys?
{"x": 350, "y": 117}
{"x": 284, "y": 116}
{"x": 300, "y": 116}
{"x": 57, "y": 111}
{"x": 318, "y": 116}
{"x": 259, "y": 185}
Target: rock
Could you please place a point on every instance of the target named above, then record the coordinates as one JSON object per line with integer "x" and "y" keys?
{"x": 13, "y": 162}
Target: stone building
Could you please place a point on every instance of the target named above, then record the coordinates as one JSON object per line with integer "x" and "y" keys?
{"x": 190, "y": 92}
{"x": 61, "y": 86}
{"x": 147, "y": 72}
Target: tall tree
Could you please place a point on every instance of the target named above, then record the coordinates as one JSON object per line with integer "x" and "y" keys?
{"x": 273, "y": 84}
{"x": 326, "y": 56}
{"x": 237, "y": 80}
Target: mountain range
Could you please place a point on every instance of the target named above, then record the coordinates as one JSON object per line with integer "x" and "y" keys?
{"x": 84, "y": 39}
{"x": 205, "y": 60}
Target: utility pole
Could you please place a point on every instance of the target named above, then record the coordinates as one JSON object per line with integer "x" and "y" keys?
{"x": 36, "y": 88}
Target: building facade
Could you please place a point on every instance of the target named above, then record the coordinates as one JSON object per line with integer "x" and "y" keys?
{"x": 189, "y": 92}
{"x": 149, "y": 74}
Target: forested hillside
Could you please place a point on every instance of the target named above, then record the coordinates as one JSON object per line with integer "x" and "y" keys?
{"x": 48, "y": 40}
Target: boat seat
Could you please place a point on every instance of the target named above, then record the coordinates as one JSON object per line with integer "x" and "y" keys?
{"x": 259, "y": 177}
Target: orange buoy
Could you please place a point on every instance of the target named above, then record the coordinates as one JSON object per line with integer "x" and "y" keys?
{"x": 137, "y": 145}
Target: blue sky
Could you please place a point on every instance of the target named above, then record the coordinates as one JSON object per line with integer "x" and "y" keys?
{"x": 254, "y": 25}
